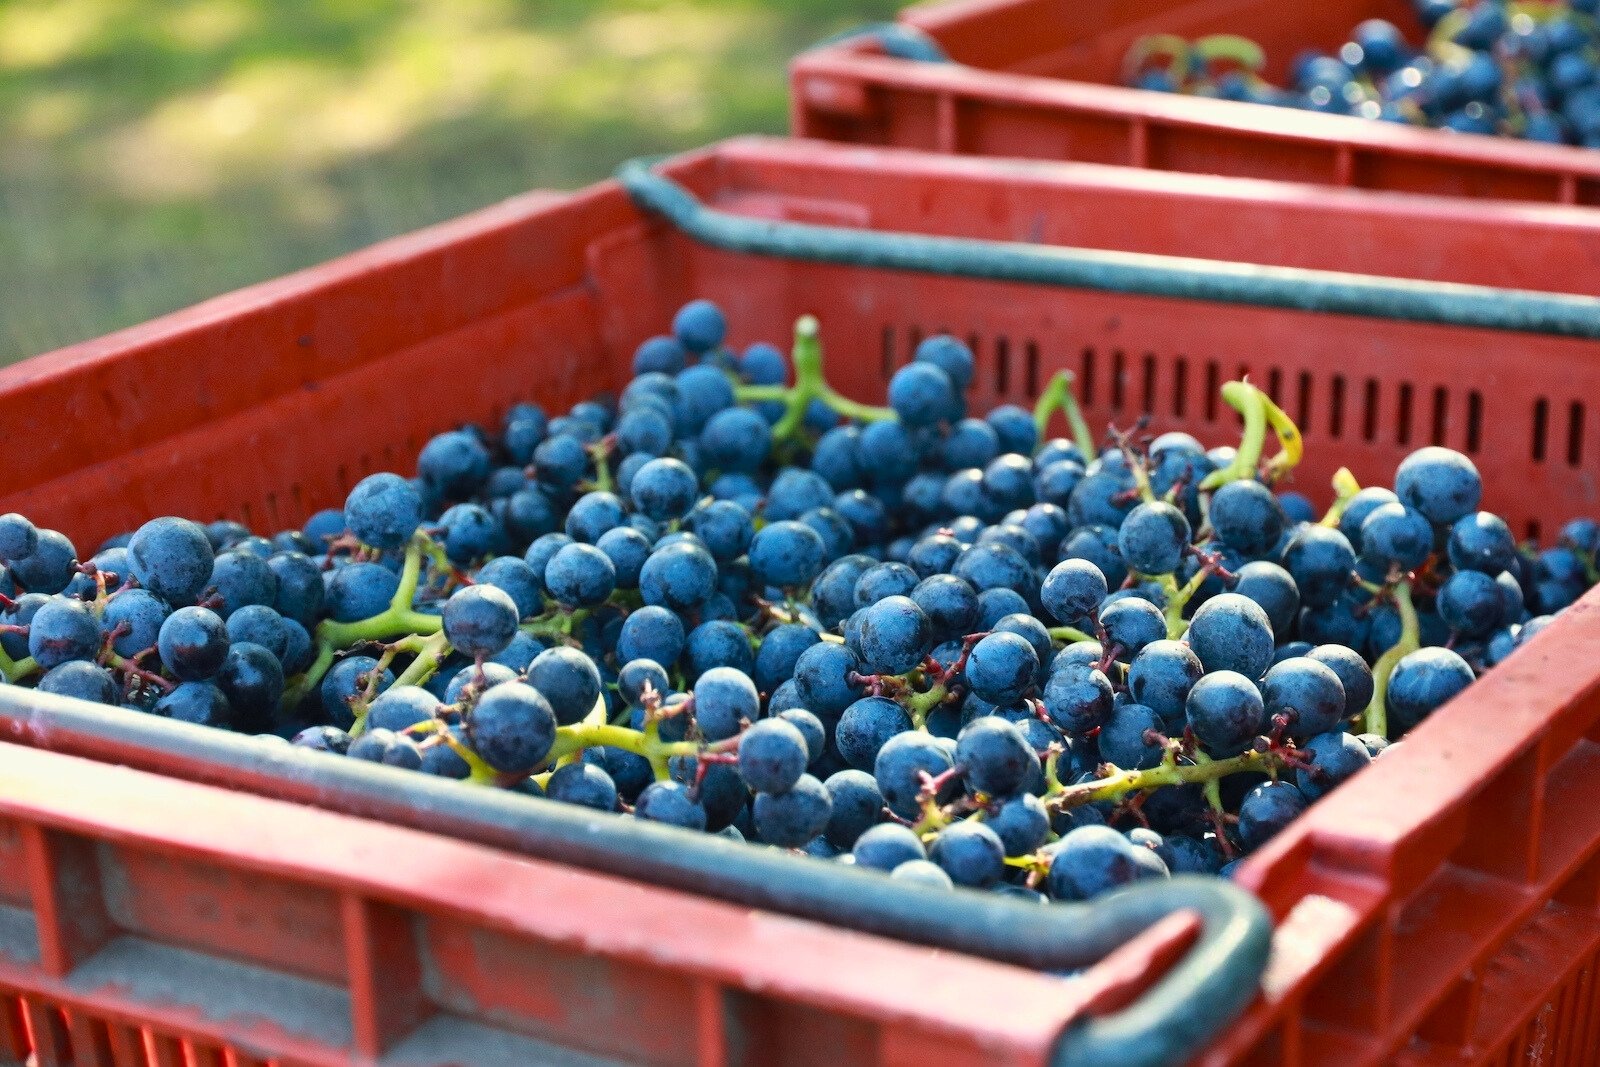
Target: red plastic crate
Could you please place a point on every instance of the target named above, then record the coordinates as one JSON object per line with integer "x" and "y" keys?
{"x": 1442, "y": 908}
{"x": 149, "y": 922}
{"x": 1042, "y": 79}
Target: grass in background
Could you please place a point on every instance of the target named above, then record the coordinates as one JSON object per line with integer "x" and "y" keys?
{"x": 157, "y": 152}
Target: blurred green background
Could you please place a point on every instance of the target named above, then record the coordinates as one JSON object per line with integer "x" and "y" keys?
{"x": 157, "y": 152}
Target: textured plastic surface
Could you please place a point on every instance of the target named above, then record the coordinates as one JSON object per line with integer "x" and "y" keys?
{"x": 1444, "y": 908}
{"x": 1040, "y": 79}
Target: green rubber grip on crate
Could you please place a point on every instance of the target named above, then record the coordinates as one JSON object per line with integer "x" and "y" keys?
{"x": 1144, "y": 274}
{"x": 896, "y": 39}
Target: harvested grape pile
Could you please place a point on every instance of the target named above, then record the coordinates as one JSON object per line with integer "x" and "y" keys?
{"x": 908, "y": 638}
{"x": 1518, "y": 70}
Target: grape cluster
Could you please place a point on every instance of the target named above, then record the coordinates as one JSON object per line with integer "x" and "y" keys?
{"x": 1519, "y": 70}
{"x": 909, "y": 638}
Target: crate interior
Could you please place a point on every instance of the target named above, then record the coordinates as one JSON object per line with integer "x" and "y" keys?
{"x": 268, "y": 405}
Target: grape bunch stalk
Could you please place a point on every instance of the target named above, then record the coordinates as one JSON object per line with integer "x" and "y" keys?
{"x": 943, "y": 646}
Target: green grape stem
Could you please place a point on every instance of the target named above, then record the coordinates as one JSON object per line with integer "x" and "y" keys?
{"x": 646, "y": 743}
{"x": 1059, "y": 395}
{"x": 1259, "y": 412}
{"x": 1377, "y": 716}
{"x": 1117, "y": 784}
{"x": 1345, "y": 488}
{"x": 809, "y": 384}
{"x": 14, "y": 670}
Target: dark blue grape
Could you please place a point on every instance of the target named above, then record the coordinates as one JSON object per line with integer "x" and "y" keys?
{"x": 516, "y": 579}
{"x": 1091, "y": 860}
{"x": 255, "y": 623}
{"x": 18, "y": 538}
{"x": 1078, "y": 699}
{"x": 1153, "y": 537}
{"x": 680, "y": 576}
{"x": 511, "y": 727}
{"x": 653, "y": 633}
{"x": 200, "y": 703}
{"x": 971, "y": 853}
{"x": 856, "y": 806}
{"x": 720, "y": 642}
{"x": 592, "y": 515}
{"x": 170, "y": 557}
{"x": 699, "y": 326}
{"x": 995, "y": 756}
{"x": 493, "y": 674}
{"x": 1230, "y": 632}
{"x": 480, "y": 620}
{"x": 1015, "y": 427}
{"x": 780, "y": 651}
{"x": 1002, "y": 668}
{"x": 949, "y": 603}
{"x": 1307, "y": 693}
{"x": 1131, "y": 623}
{"x": 997, "y": 604}
{"x": 383, "y": 510}
{"x": 580, "y": 575}
{"x": 669, "y": 803}
{"x": 659, "y": 355}
{"x": 252, "y": 679}
{"x": 1471, "y": 604}
{"x": 895, "y": 636}
{"x": 822, "y": 679}
{"x": 1320, "y": 561}
{"x": 865, "y": 727}
{"x": 1073, "y": 589}
{"x": 725, "y": 697}
{"x": 1021, "y": 823}
{"x": 453, "y": 464}
{"x": 1008, "y": 481}
{"x": 1267, "y": 810}
{"x": 239, "y": 579}
{"x": 359, "y": 591}
{"x": 316, "y": 738}
{"x": 82, "y": 680}
{"x": 1481, "y": 542}
{"x": 1421, "y": 683}
{"x": 584, "y": 784}
{"x": 922, "y": 394}
{"x": 1335, "y": 758}
{"x": 300, "y": 588}
{"x": 797, "y": 815}
{"x": 1247, "y": 517}
{"x": 192, "y": 643}
{"x": 787, "y": 554}
{"x": 470, "y": 533}
{"x": 886, "y": 846}
{"x": 399, "y": 708}
{"x": 724, "y": 526}
{"x": 922, "y": 873}
{"x": 1160, "y": 677}
{"x": 1226, "y": 712}
{"x": 949, "y": 355}
{"x": 1272, "y": 587}
{"x": 1127, "y": 741}
{"x": 1395, "y": 535}
{"x": 971, "y": 444}
{"x": 568, "y": 681}
{"x": 1441, "y": 483}
{"x": 900, "y": 766}
{"x": 887, "y": 453}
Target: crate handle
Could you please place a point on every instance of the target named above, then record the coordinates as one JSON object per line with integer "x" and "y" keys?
{"x": 897, "y": 40}
{"x": 1198, "y": 996}
{"x": 1177, "y": 277}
